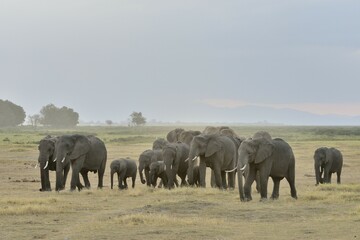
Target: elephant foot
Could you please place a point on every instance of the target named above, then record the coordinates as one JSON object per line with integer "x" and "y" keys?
{"x": 274, "y": 197}
{"x": 247, "y": 199}
{"x": 263, "y": 199}
{"x": 143, "y": 181}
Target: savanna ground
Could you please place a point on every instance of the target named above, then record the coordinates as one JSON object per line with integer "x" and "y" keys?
{"x": 325, "y": 212}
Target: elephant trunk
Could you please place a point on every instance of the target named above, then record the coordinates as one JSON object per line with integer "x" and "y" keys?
{"x": 141, "y": 169}
{"x": 60, "y": 182}
{"x": 240, "y": 183}
{"x": 170, "y": 176}
{"x": 44, "y": 173}
{"x": 190, "y": 173}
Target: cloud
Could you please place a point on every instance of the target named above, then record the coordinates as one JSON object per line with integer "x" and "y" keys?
{"x": 347, "y": 109}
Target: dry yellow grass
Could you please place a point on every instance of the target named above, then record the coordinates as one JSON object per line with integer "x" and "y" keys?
{"x": 326, "y": 211}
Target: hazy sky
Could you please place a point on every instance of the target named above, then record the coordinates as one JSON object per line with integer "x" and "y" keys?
{"x": 175, "y": 60}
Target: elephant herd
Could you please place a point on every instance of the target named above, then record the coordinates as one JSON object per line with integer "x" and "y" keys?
{"x": 186, "y": 154}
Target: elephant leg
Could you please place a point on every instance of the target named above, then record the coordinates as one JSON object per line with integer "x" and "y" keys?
{"x": 291, "y": 180}
{"x": 202, "y": 172}
{"x": 125, "y": 183}
{"x": 223, "y": 180}
{"x": 264, "y": 177}
{"x": 275, "y": 193}
{"x": 133, "y": 181}
{"x": 231, "y": 180}
{"x": 176, "y": 182}
{"x": 330, "y": 177}
{"x": 84, "y": 174}
{"x": 338, "y": 173}
{"x": 147, "y": 176}
{"x": 212, "y": 181}
{"x": 218, "y": 178}
{"x": 101, "y": 172}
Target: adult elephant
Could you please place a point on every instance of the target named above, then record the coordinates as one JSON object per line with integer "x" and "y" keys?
{"x": 173, "y": 135}
{"x": 270, "y": 157}
{"x": 125, "y": 168}
{"x": 159, "y": 143}
{"x": 84, "y": 154}
{"x": 46, "y": 161}
{"x": 329, "y": 161}
{"x": 187, "y": 136}
{"x": 215, "y": 151}
{"x": 145, "y": 159}
{"x": 157, "y": 170}
{"x": 174, "y": 156}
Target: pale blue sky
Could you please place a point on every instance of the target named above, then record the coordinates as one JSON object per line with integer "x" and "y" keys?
{"x": 178, "y": 60}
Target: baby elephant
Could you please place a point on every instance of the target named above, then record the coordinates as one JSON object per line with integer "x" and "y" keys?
{"x": 327, "y": 160}
{"x": 157, "y": 170}
{"x": 124, "y": 167}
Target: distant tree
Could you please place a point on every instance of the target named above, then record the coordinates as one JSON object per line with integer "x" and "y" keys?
{"x": 11, "y": 115}
{"x": 109, "y": 122}
{"x": 137, "y": 119}
{"x": 58, "y": 117}
{"x": 34, "y": 120}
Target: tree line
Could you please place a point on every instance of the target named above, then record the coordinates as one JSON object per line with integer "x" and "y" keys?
{"x": 12, "y": 115}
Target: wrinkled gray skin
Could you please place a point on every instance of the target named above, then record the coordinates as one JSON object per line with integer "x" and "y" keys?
{"x": 272, "y": 158}
{"x": 125, "y": 168}
{"x": 145, "y": 159}
{"x": 187, "y": 136}
{"x": 46, "y": 161}
{"x": 84, "y": 154}
{"x": 215, "y": 151}
{"x": 173, "y": 135}
{"x": 157, "y": 170}
{"x": 329, "y": 161}
{"x": 159, "y": 143}
{"x": 174, "y": 156}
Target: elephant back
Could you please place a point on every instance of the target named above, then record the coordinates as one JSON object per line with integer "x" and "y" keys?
{"x": 97, "y": 154}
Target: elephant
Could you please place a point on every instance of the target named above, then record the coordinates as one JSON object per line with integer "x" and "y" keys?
{"x": 125, "y": 168}
{"x": 46, "y": 161}
{"x": 187, "y": 136}
{"x": 84, "y": 154}
{"x": 159, "y": 143}
{"x": 174, "y": 156}
{"x": 270, "y": 157}
{"x": 145, "y": 159}
{"x": 157, "y": 170}
{"x": 329, "y": 161}
{"x": 173, "y": 135}
{"x": 214, "y": 130}
{"x": 217, "y": 152}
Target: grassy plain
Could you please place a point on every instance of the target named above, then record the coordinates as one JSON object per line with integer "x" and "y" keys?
{"x": 324, "y": 212}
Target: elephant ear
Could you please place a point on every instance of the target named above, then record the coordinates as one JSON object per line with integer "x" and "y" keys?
{"x": 82, "y": 146}
{"x": 265, "y": 149}
{"x": 212, "y": 147}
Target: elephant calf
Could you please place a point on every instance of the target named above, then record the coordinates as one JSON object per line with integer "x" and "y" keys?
{"x": 157, "y": 170}
{"x": 124, "y": 167}
{"x": 329, "y": 161}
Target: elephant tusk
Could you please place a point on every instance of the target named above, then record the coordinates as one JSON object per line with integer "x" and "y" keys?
{"x": 47, "y": 163}
{"x": 55, "y": 160}
{"x": 243, "y": 168}
{"x": 186, "y": 159}
{"x": 36, "y": 166}
{"x": 63, "y": 160}
{"x": 195, "y": 158}
{"x": 231, "y": 170}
